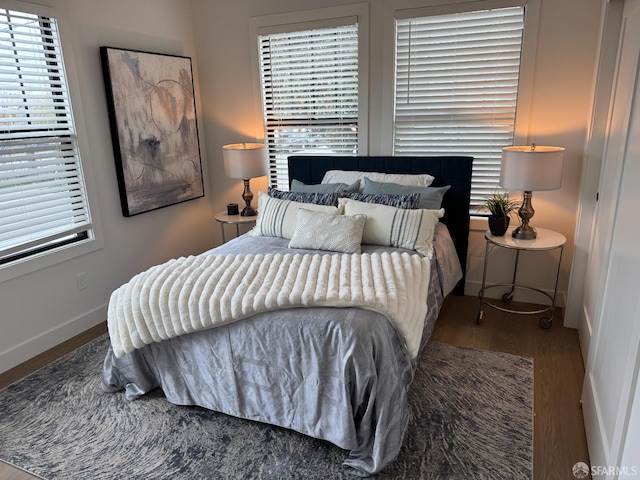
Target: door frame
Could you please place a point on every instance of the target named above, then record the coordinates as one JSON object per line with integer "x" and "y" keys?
{"x": 575, "y": 315}
{"x": 608, "y": 392}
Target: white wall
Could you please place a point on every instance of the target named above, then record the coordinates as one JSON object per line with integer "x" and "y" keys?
{"x": 564, "y": 68}
{"x": 43, "y": 308}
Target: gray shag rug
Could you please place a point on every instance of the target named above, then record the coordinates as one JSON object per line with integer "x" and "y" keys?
{"x": 471, "y": 416}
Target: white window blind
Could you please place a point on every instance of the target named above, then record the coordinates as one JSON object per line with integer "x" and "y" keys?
{"x": 42, "y": 195}
{"x": 309, "y": 82}
{"x": 456, "y": 88}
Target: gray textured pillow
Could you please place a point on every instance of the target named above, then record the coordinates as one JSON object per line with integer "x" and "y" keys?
{"x": 430, "y": 197}
{"x": 305, "y": 197}
{"x": 298, "y": 186}
{"x": 323, "y": 231}
{"x": 409, "y": 202}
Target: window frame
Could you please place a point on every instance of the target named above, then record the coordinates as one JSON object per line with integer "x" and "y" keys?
{"x": 94, "y": 241}
{"x": 413, "y": 9}
{"x": 308, "y": 20}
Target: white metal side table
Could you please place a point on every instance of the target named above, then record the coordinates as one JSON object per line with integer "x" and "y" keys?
{"x": 546, "y": 240}
{"x": 224, "y": 219}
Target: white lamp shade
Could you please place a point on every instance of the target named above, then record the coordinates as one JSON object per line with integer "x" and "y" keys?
{"x": 531, "y": 168}
{"x": 244, "y": 160}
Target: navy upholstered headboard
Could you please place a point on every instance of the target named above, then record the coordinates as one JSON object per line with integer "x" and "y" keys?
{"x": 454, "y": 171}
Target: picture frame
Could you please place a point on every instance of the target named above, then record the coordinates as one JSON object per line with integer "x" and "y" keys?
{"x": 154, "y": 131}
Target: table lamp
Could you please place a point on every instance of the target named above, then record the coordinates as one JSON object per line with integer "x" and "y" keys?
{"x": 530, "y": 168}
{"x": 245, "y": 161}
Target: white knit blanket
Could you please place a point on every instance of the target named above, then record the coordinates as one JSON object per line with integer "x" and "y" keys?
{"x": 196, "y": 293}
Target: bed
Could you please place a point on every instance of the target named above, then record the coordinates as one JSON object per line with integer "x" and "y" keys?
{"x": 334, "y": 370}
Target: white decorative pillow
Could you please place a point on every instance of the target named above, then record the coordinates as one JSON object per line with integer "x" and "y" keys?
{"x": 323, "y": 231}
{"x": 396, "y": 227}
{"x": 350, "y": 177}
{"x": 277, "y": 218}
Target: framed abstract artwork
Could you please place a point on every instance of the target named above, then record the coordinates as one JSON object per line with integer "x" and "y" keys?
{"x": 154, "y": 131}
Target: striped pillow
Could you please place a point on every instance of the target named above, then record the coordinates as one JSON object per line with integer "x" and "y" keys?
{"x": 396, "y": 227}
{"x": 398, "y": 201}
{"x": 430, "y": 197}
{"x": 305, "y": 197}
{"x": 277, "y": 218}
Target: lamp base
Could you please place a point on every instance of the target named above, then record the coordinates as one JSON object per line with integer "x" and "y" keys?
{"x": 526, "y": 211}
{"x": 248, "y": 211}
{"x": 524, "y": 232}
{"x": 247, "y": 196}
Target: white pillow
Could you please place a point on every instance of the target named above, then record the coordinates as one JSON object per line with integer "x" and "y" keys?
{"x": 277, "y": 218}
{"x": 323, "y": 231}
{"x": 349, "y": 177}
{"x": 448, "y": 263}
{"x": 396, "y": 227}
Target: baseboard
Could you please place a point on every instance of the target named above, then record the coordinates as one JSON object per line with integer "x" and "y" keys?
{"x": 594, "y": 429}
{"x": 33, "y": 347}
{"x": 584, "y": 335}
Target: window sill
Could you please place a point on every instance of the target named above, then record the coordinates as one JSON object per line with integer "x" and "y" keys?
{"x": 47, "y": 259}
{"x": 478, "y": 223}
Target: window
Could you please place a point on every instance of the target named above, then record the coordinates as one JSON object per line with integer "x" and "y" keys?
{"x": 309, "y": 87}
{"x": 456, "y": 87}
{"x": 43, "y": 201}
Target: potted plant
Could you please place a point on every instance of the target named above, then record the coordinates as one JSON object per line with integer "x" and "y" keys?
{"x": 499, "y": 207}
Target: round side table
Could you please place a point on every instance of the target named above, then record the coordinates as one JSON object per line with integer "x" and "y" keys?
{"x": 545, "y": 240}
{"x": 224, "y": 219}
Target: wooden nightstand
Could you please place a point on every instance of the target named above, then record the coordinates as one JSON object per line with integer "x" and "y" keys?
{"x": 224, "y": 219}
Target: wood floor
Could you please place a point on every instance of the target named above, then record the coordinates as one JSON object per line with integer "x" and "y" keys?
{"x": 559, "y": 437}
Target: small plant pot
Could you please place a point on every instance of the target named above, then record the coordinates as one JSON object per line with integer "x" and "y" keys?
{"x": 498, "y": 225}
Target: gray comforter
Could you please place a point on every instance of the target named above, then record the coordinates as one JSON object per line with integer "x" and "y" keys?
{"x": 338, "y": 374}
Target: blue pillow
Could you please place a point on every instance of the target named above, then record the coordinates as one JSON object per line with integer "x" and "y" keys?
{"x": 298, "y": 186}
{"x": 305, "y": 197}
{"x": 406, "y": 202}
{"x": 430, "y": 197}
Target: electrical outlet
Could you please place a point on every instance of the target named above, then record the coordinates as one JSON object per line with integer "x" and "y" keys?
{"x": 81, "y": 280}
